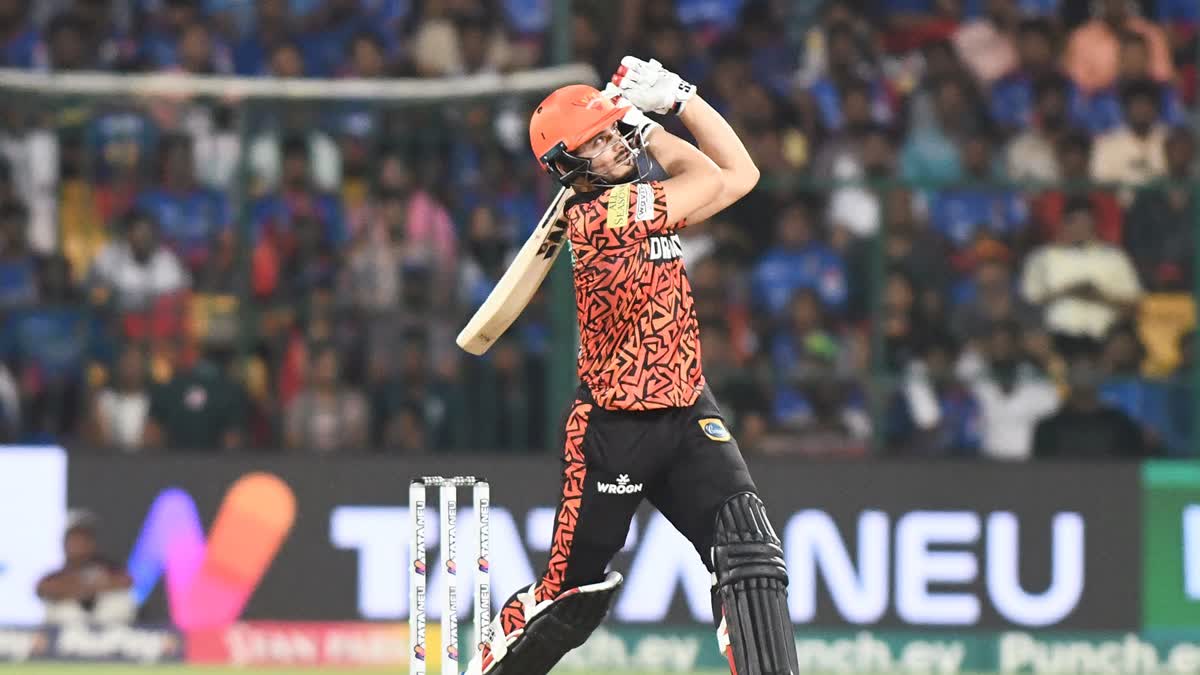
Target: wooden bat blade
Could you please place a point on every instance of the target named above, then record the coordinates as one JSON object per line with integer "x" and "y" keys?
{"x": 520, "y": 281}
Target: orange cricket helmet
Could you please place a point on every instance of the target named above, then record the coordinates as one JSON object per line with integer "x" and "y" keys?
{"x": 564, "y": 121}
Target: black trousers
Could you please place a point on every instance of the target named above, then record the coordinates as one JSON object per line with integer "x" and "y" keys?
{"x": 684, "y": 460}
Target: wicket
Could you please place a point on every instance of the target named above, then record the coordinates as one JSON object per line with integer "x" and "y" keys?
{"x": 448, "y": 513}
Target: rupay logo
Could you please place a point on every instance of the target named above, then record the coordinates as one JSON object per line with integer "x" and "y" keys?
{"x": 209, "y": 582}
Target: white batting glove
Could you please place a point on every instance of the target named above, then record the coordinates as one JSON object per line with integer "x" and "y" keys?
{"x": 652, "y": 88}
{"x": 633, "y": 117}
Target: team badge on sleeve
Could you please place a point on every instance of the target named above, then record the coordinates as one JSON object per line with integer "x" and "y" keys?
{"x": 715, "y": 429}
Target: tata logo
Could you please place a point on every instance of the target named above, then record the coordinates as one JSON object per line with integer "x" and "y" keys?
{"x": 204, "y": 589}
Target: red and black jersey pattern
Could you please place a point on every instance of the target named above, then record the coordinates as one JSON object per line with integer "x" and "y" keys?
{"x": 639, "y": 338}
{"x": 574, "y": 476}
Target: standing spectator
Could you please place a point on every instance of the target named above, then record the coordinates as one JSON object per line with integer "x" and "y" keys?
{"x": 327, "y": 415}
{"x": 988, "y": 44}
{"x": 799, "y": 259}
{"x": 1012, "y": 398}
{"x": 1134, "y": 153}
{"x": 119, "y": 411}
{"x": 195, "y": 221}
{"x": 1073, "y": 154}
{"x": 89, "y": 588}
{"x": 137, "y": 269}
{"x": 1086, "y": 427}
{"x": 18, "y": 266}
{"x": 933, "y": 415}
{"x": 1159, "y": 234}
{"x": 200, "y": 408}
{"x": 961, "y": 214}
{"x": 1094, "y": 49}
{"x": 1033, "y": 154}
{"x": 1082, "y": 284}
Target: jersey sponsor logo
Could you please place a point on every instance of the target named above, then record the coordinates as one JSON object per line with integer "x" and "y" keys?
{"x": 621, "y": 487}
{"x": 645, "y": 202}
{"x": 666, "y": 247}
{"x": 618, "y": 207}
{"x": 715, "y": 429}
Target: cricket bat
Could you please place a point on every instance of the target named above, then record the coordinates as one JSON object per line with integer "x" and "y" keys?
{"x": 520, "y": 281}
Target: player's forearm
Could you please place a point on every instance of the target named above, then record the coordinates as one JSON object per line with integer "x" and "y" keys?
{"x": 720, "y": 142}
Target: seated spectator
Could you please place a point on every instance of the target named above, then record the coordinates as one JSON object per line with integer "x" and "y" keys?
{"x": 458, "y": 44}
{"x": 1073, "y": 154}
{"x": 819, "y": 411}
{"x": 1086, "y": 427}
{"x": 18, "y": 265}
{"x": 136, "y": 269}
{"x": 1094, "y": 50}
{"x": 855, "y": 211}
{"x": 68, "y": 48}
{"x": 1011, "y": 395}
{"x": 932, "y": 153}
{"x": 489, "y": 250}
{"x": 1011, "y": 102}
{"x": 200, "y": 52}
{"x": 1101, "y": 111}
{"x": 987, "y": 298}
{"x": 409, "y": 381}
{"x": 273, "y": 216}
{"x": 843, "y": 78}
{"x": 934, "y": 415}
{"x": 987, "y": 44}
{"x": 49, "y": 346}
{"x": 119, "y": 411}
{"x": 200, "y": 408}
{"x": 960, "y": 214}
{"x": 1142, "y": 399}
{"x": 804, "y": 326}
{"x": 903, "y": 325}
{"x": 254, "y": 53}
{"x": 195, "y": 221}
{"x": 799, "y": 259}
{"x": 1082, "y": 285}
{"x": 1134, "y": 153}
{"x": 22, "y": 47}
{"x": 1033, "y": 154}
{"x": 327, "y": 415}
{"x": 89, "y": 588}
{"x": 1159, "y": 232}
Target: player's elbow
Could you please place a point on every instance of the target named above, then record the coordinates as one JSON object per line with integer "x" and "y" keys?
{"x": 739, "y": 183}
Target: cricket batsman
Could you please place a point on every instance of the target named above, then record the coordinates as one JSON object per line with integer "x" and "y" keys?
{"x": 644, "y": 424}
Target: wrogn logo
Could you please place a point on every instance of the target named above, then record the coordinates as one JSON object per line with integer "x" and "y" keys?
{"x": 621, "y": 487}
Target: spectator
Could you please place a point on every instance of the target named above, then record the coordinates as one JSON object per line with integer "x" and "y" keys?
{"x": 988, "y": 298}
{"x": 18, "y": 267}
{"x": 854, "y": 211}
{"x": 931, "y": 153}
{"x": 327, "y": 415}
{"x": 200, "y": 54}
{"x": 490, "y": 251}
{"x": 259, "y": 50}
{"x": 137, "y": 269}
{"x": 1159, "y": 232}
{"x": 961, "y": 214}
{"x": 987, "y": 45}
{"x": 274, "y": 216}
{"x": 933, "y": 415}
{"x": 459, "y": 44}
{"x": 1094, "y": 50}
{"x": 1180, "y": 402}
{"x": 49, "y": 346}
{"x": 1143, "y": 400}
{"x": 846, "y": 73}
{"x": 804, "y": 328}
{"x": 165, "y": 28}
{"x": 21, "y": 43}
{"x": 1073, "y": 154}
{"x": 1086, "y": 427}
{"x": 195, "y": 221}
{"x": 119, "y": 411}
{"x": 799, "y": 259}
{"x": 89, "y": 588}
{"x": 1033, "y": 154}
{"x": 1082, "y": 284}
{"x": 819, "y": 412}
{"x": 1101, "y": 112}
{"x": 200, "y": 408}
{"x": 413, "y": 387}
{"x": 1012, "y": 96}
{"x": 67, "y": 45}
{"x": 901, "y": 322}
{"x": 1012, "y": 398}
{"x": 740, "y": 388}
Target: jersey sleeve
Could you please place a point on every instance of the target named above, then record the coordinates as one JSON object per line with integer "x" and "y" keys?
{"x": 631, "y": 211}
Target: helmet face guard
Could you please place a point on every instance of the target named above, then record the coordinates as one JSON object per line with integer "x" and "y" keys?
{"x": 567, "y": 167}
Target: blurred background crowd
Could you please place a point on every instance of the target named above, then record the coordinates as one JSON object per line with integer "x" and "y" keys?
{"x": 973, "y": 237}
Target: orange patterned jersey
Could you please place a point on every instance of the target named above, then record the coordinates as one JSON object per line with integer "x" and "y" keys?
{"x": 639, "y": 338}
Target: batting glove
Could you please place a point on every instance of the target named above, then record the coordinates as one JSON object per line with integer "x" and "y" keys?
{"x": 633, "y": 117}
{"x": 652, "y": 88}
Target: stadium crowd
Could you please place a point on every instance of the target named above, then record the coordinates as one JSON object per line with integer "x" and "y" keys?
{"x": 926, "y": 268}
